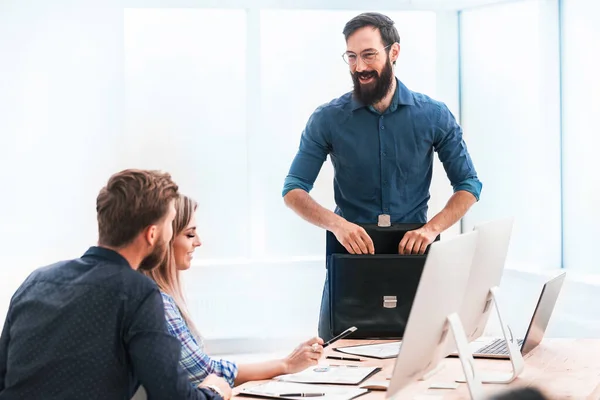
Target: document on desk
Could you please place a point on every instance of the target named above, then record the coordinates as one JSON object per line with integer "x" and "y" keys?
{"x": 293, "y": 391}
{"x": 381, "y": 351}
{"x": 332, "y": 374}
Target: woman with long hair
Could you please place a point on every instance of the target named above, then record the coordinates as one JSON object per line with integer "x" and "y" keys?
{"x": 193, "y": 357}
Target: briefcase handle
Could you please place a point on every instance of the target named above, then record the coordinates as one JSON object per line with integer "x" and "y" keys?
{"x": 386, "y": 239}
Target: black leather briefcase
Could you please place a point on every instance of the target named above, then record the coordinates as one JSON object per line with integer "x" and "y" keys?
{"x": 373, "y": 292}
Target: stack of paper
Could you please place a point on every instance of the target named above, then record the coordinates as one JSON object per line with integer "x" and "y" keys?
{"x": 332, "y": 374}
{"x": 384, "y": 350}
{"x": 293, "y": 391}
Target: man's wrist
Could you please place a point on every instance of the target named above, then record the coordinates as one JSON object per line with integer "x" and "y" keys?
{"x": 432, "y": 228}
{"x": 215, "y": 389}
{"x": 336, "y": 223}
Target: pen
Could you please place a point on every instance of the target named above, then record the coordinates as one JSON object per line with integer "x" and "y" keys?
{"x": 302, "y": 394}
{"x": 340, "y": 336}
{"x": 344, "y": 366}
{"x": 344, "y": 358}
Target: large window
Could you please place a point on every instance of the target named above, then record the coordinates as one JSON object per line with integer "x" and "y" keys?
{"x": 581, "y": 138}
{"x": 510, "y": 110}
{"x": 185, "y": 113}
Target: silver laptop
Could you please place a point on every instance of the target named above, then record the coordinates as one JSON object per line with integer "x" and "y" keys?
{"x": 496, "y": 347}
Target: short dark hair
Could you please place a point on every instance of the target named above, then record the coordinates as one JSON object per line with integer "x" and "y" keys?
{"x": 389, "y": 33}
{"x": 521, "y": 394}
{"x": 131, "y": 201}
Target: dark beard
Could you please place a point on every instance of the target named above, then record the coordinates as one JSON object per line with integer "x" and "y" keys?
{"x": 154, "y": 259}
{"x": 375, "y": 91}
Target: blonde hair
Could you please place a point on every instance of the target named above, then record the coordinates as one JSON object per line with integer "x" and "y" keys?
{"x": 166, "y": 275}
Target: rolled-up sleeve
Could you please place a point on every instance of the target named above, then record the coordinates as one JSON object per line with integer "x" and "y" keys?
{"x": 453, "y": 153}
{"x": 312, "y": 153}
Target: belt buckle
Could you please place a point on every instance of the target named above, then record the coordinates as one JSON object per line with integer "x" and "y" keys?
{"x": 384, "y": 221}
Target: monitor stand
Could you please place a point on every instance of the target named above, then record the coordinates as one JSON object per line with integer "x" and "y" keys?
{"x": 466, "y": 357}
{"x": 514, "y": 352}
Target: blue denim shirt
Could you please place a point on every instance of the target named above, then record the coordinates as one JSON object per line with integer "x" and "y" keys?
{"x": 383, "y": 162}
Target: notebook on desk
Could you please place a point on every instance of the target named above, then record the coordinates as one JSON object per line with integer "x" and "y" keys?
{"x": 378, "y": 350}
{"x": 496, "y": 347}
{"x": 294, "y": 391}
{"x": 331, "y": 374}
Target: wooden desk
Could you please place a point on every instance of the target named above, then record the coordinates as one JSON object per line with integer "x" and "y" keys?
{"x": 561, "y": 368}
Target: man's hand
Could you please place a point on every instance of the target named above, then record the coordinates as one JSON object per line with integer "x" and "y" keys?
{"x": 214, "y": 382}
{"x": 304, "y": 356}
{"x": 354, "y": 238}
{"x": 416, "y": 242}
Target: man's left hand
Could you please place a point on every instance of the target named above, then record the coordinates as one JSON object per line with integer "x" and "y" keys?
{"x": 416, "y": 242}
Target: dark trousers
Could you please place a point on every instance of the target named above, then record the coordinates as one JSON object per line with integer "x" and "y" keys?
{"x": 324, "y": 314}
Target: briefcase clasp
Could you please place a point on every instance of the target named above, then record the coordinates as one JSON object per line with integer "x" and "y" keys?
{"x": 389, "y": 301}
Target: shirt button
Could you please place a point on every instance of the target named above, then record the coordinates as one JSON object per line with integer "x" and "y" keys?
{"x": 383, "y": 154}
{"x": 382, "y": 127}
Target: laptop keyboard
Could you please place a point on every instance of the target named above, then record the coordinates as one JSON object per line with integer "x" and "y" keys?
{"x": 498, "y": 346}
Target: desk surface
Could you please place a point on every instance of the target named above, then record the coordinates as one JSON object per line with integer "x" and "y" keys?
{"x": 561, "y": 368}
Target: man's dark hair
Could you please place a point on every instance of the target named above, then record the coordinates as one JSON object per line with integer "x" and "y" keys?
{"x": 521, "y": 394}
{"x": 389, "y": 33}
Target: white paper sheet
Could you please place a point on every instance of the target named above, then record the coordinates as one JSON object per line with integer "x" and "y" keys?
{"x": 331, "y": 374}
{"x": 384, "y": 350}
{"x": 274, "y": 389}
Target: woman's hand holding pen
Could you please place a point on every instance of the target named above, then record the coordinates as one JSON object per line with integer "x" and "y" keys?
{"x": 304, "y": 356}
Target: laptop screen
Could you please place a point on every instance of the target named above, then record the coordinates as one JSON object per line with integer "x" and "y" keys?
{"x": 542, "y": 314}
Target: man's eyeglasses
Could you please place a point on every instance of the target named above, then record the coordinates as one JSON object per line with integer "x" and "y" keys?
{"x": 368, "y": 56}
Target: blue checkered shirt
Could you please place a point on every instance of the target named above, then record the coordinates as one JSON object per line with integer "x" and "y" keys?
{"x": 193, "y": 359}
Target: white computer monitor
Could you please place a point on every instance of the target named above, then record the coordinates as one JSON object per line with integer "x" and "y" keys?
{"x": 439, "y": 296}
{"x": 486, "y": 272}
{"x": 480, "y": 299}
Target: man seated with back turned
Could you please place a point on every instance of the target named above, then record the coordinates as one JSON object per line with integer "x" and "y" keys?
{"x": 93, "y": 327}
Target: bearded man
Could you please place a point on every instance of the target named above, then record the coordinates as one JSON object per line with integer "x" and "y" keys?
{"x": 380, "y": 138}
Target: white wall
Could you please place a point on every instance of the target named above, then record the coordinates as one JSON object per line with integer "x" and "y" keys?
{"x": 61, "y": 95}
{"x": 511, "y": 111}
{"x": 581, "y": 134}
{"x": 89, "y": 90}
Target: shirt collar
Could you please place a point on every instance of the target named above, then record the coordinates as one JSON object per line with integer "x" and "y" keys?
{"x": 106, "y": 254}
{"x": 402, "y": 96}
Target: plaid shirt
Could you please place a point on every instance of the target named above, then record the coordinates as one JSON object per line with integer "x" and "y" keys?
{"x": 193, "y": 359}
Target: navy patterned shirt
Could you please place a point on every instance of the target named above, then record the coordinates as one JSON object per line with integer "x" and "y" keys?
{"x": 90, "y": 328}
